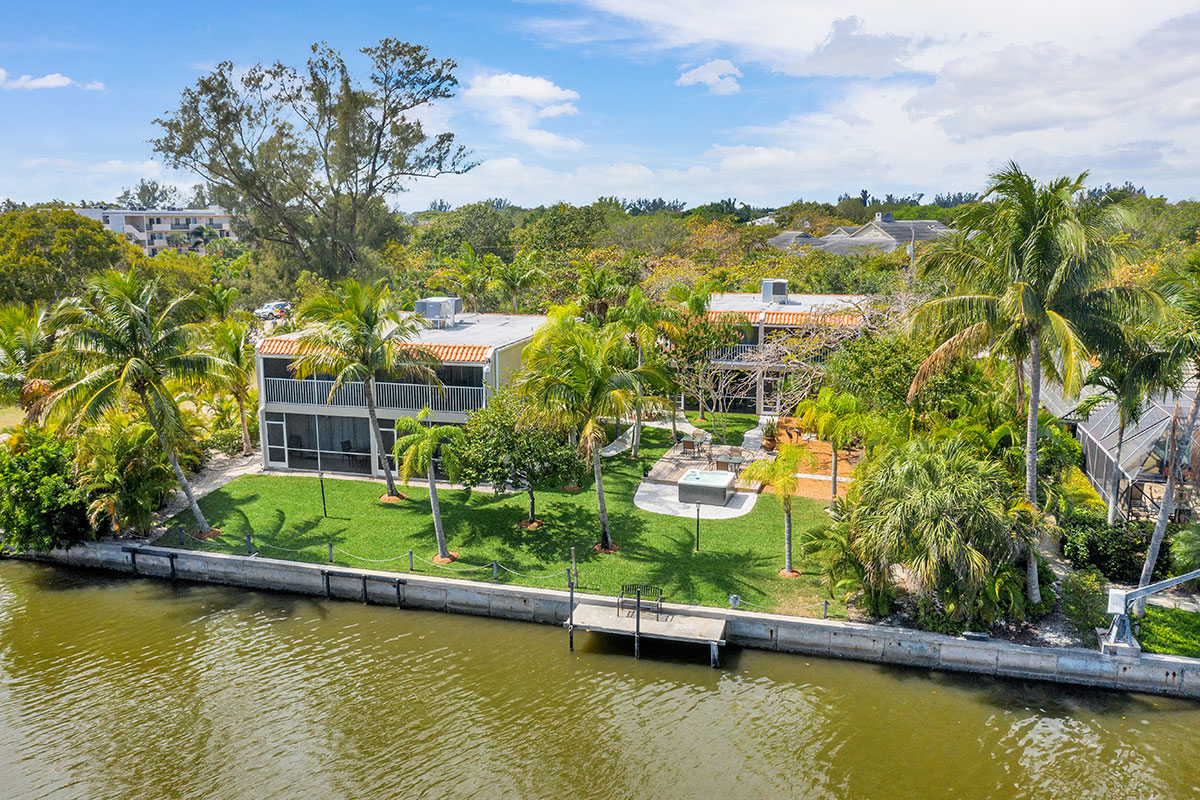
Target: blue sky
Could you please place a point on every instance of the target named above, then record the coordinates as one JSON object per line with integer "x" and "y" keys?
{"x": 766, "y": 101}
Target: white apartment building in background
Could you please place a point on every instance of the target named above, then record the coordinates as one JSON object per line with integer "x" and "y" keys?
{"x": 156, "y": 229}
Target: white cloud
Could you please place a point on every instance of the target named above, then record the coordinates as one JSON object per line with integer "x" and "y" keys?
{"x": 53, "y": 80}
{"x": 911, "y": 99}
{"x": 40, "y": 178}
{"x": 518, "y": 104}
{"x": 719, "y": 75}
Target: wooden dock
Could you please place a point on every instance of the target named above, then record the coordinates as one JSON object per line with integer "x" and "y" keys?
{"x": 668, "y": 626}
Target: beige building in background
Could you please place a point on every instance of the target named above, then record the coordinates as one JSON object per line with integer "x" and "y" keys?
{"x": 156, "y": 229}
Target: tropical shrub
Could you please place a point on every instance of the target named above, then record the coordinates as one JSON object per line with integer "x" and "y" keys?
{"x": 121, "y": 465}
{"x": 41, "y": 508}
{"x": 947, "y": 516}
{"x": 1083, "y": 600}
{"x": 1185, "y": 549}
{"x": 1118, "y": 552}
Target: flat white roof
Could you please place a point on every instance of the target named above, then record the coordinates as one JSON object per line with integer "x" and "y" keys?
{"x": 796, "y": 302}
{"x": 479, "y": 330}
{"x": 493, "y": 330}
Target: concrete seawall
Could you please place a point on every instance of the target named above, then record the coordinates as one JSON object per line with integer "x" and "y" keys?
{"x": 1167, "y": 675}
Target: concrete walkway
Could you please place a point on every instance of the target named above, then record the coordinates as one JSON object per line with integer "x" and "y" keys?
{"x": 220, "y": 470}
{"x": 663, "y": 498}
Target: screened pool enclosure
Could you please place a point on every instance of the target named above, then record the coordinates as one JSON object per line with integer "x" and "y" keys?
{"x": 1143, "y": 464}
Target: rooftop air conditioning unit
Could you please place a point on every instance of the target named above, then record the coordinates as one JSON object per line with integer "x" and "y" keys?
{"x": 775, "y": 290}
{"x": 440, "y": 311}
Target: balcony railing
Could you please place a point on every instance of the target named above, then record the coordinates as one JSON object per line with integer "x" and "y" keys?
{"x": 735, "y": 352}
{"x": 401, "y": 396}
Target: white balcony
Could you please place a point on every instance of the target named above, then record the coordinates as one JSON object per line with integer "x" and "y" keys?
{"x": 736, "y": 353}
{"x": 398, "y": 396}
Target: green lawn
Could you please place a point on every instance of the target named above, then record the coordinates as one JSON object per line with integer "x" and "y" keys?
{"x": 736, "y": 425}
{"x": 739, "y": 556}
{"x": 1170, "y": 631}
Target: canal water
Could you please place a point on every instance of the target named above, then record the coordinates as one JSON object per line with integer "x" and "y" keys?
{"x": 120, "y": 688}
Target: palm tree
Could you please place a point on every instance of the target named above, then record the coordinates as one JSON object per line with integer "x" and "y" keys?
{"x": 599, "y": 287}
{"x": 576, "y": 377}
{"x": 835, "y": 418}
{"x": 515, "y": 277}
{"x": 470, "y": 275}
{"x": 25, "y": 335}
{"x": 354, "y": 333}
{"x": 941, "y": 511}
{"x": 780, "y": 473}
{"x": 219, "y": 301}
{"x": 421, "y": 448}
{"x": 230, "y": 342}
{"x": 120, "y": 340}
{"x": 1031, "y": 269}
{"x": 649, "y": 325}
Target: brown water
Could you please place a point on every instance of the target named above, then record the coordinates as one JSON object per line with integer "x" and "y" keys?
{"x": 120, "y": 688}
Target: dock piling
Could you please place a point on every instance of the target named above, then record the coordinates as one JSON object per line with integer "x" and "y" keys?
{"x": 637, "y": 626}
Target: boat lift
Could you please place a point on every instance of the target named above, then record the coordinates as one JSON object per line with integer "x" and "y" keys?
{"x": 1119, "y": 637}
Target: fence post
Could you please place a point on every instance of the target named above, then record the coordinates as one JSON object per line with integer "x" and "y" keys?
{"x": 249, "y": 546}
{"x": 734, "y": 600}
{"x": 410, "y": 569}
{"x": 574, "y": 568}
{"x": 495, "y": 571}
{"x": 331, "y": 552}
{"x": 825, "y": 610}
{"x": 181, "y": 537}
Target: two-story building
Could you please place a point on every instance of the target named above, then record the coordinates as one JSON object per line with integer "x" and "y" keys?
{"x": 775, "y": 314}
{"x": 156, "y": 229}
{"x": 301, "y": 428}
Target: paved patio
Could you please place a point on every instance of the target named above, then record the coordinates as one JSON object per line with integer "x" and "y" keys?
{"x": 663, "y": 498}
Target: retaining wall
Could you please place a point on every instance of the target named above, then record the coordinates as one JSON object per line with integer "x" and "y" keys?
{"x": 1168, "y": 675}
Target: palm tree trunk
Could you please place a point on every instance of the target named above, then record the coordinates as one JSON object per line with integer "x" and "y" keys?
{"x": 833, "y": 479}
{"x": 247, "y": 448}
{"x": 787, "y": 539}
{"x": 443, "y": 552}
{"x": 369, "y": 392}
{"x": 1032, "y": 589}
{"x": 201, "y": 523}
{"x": 1116, "y": 480}
{"x": 606, "y": 542}
{"x": 1168, "y": 502}
{"x": 1019, "y": 378}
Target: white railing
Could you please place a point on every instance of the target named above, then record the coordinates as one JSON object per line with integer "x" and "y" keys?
{"x": 403, "y": 396}
{"x": 735, "y": 352}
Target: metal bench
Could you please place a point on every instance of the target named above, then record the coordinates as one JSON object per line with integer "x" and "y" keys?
{"x": 651, "y": 597}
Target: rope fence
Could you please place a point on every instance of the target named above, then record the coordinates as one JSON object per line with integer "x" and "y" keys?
{"x": 571, "y": 573}
{"x": 494, "y": 566}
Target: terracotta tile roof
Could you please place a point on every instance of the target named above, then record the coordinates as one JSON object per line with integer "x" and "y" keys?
{"x": 277, "y": 346}
{"x": 809, "y": 317}
{"x": 446, "y": 353}
{"x": 752, "y": 316}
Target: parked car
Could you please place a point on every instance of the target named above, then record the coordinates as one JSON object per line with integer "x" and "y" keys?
{"x": 276, "y": 309}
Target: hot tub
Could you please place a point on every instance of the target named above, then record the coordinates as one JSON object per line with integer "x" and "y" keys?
{"x": 706, "y": 487}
